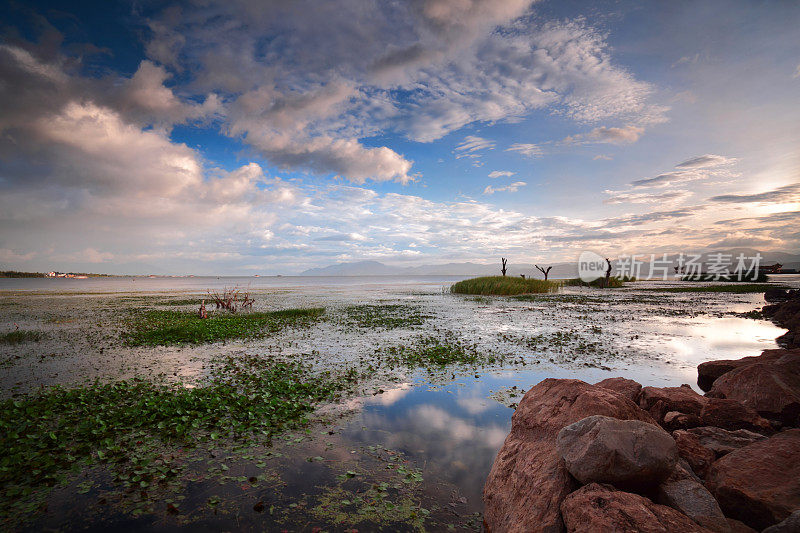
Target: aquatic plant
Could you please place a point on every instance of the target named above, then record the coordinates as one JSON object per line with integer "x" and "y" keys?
{"x": 438, "y": 352}
{"x": 387, "y": 316}
{"x": 137, "y": 428}
{"x": 167, "y": 327}
{"x": 612, "y": 282}
{"x": 503, "y": 286}
{"x": 21, "y": 335}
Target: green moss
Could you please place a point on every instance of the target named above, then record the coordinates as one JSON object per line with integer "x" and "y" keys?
{"x": 162, "y": 327}
{"x": 503, "y": 286}
{"x": 19, "y": 336}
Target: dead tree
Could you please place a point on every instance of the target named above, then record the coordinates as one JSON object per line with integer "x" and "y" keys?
{"x": 608, "y": 273}
{"x": 202, "y": 311}
{"x": 231, "y": 299}
{"x": 505, "y": 262}
{"x": 523, "y": 276}
{"x": 545, "y": 272}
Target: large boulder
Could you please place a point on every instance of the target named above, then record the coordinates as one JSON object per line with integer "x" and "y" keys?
{"x": 771, "y": 387}
{"x": 693, "y": 499}
{"x": 709, "y": 371}
{"x": 692, "y": 450}
{"x": 759, "y": 484}
{"x": 659, "y": 401}
{"x": 528, "y": 479}
{"x": 629, "y": 454}
{"x": 733, "y": 415}
{"x": 597, "y": 507}
{"x": 626, "y": 387}
{"x": 721, "y": 441}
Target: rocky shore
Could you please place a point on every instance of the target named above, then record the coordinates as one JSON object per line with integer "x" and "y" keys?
{"x": 616, "y": 456}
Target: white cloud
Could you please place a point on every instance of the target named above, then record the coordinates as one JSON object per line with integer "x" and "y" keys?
{"x": 514, "y": 187}
{"x": 602, "y": 157}
{"x": 708, "y": 167}
{"x": 623, "y": 135}
{"x": 501, "y": 174}
{"x": 472, "y": 146}
{"x": 528, "y": 150}
{"x": 669, "y": 197}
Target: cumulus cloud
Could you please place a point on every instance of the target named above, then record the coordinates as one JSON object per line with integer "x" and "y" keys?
{"x": 528, "y": 150}
{"x": 514, "y": 187}
{"x": 501, "y": 174}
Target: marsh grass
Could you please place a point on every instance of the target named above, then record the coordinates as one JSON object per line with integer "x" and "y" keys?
{"x": 21, "y": 335}
{"x": 138, "y": 429}
{"x": 389, "y": 316}
{"x": 165, "y": 327}
{"x": 613, "y": 282}
{"x": 503, "y": 286}
{"x": 740, "y": 288}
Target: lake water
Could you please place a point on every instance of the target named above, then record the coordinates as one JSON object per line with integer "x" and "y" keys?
{"x": 446, "y": 425}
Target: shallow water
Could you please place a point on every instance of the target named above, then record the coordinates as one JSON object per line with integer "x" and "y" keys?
{"x": 449, "y": 425}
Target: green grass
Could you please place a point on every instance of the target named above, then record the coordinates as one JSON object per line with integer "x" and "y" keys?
{"x": 613, "y": 282}
{"x": 163, "y": 327}
{"x": 503, "y": 286}
{"x": 386, "y": 316}
{"x": 735, "y": 288}
{"x": 137, "y": 428}
{"x": 21, "y": 335}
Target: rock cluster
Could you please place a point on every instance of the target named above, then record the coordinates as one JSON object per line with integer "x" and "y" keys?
{"x": 617, "y": 456}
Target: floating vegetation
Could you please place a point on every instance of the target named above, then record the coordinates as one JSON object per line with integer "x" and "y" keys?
{"x": 21, "y": 335}
{"x": 388, "y": 316}
{"x": 503, "y": 286}
{"x": 137, "y": 429}
{"x": 163, "y": 327}
{"x": 438, "y": 352}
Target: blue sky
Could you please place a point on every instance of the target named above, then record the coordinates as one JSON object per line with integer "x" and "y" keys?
{"x": 247, "y": 137}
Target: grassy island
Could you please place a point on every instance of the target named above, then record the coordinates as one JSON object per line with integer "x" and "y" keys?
{"x": 503, "y": 286}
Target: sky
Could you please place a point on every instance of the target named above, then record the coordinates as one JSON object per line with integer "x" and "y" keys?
{"x": 268, "y": 137}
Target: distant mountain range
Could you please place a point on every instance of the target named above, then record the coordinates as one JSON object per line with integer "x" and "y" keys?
{"x": 560, "y": 270}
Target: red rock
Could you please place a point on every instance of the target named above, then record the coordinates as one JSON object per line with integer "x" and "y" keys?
{"x": 626, "y": 387}
{"x": 658, "y": 401}
{"x": 698, "y": 456}
{"x": 759, "y": 484}
{"x": 709, "y": 371}
{"x": 601, "y": 508}
{"x": 629, "y": 454}
{"x": 691, "y": 498}
{"x": 721, "y": 441}
{"x": 528, "y": 479}
{"x": 739, "y": 527}
{"x": 733, "y": 415}
{"x": 674, "y": 420}
{"x": 771, "y": 387}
